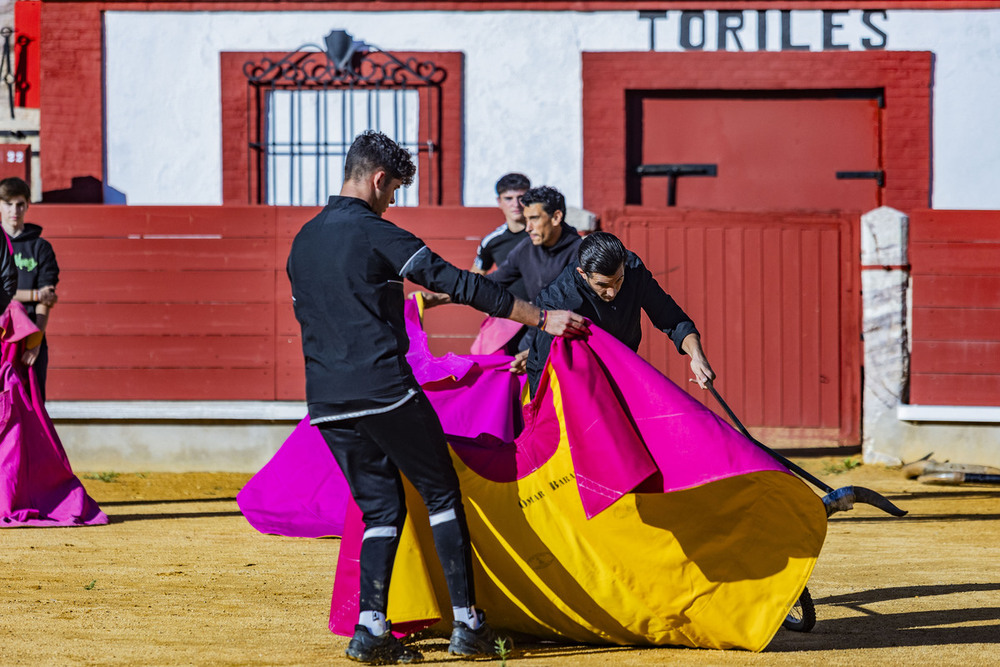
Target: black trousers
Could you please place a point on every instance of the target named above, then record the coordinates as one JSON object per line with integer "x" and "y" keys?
{"x": 41, "y": 367}
{"x": 372, "y": 451}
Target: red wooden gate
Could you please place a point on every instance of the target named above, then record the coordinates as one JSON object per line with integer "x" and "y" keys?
{"x": 776, "y": 297}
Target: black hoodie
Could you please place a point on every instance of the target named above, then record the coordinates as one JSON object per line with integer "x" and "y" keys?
{"x": 35, "y": 261}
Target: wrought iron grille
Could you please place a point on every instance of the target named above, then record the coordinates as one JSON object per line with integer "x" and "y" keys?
{"x": 305, "y": 112}
{"x": 14, "y": 78}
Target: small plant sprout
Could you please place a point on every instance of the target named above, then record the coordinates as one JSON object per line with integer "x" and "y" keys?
{"x": 502, "y": 650}
{"x": 838, "y": 467}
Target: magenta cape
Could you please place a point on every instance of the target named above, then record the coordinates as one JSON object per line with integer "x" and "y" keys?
{"x": 493, "y": 334}
{"x": 37, "y": 484}
{"x": 301, "y": 492}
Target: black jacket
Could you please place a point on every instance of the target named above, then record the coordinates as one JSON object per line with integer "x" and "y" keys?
{"x": 35, "y": 262}
{"x": 621, "y": 318}
{"x": 347, "y": 267}
{"x": 537, "y": 265}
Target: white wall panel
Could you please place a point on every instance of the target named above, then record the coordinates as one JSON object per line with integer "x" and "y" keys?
{"x": 522, "y": 87}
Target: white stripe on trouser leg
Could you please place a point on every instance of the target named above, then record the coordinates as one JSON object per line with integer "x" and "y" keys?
{"x": 441, "y": 517}
{"x": 380, "y": 531}
{"x": 374, "y": 621}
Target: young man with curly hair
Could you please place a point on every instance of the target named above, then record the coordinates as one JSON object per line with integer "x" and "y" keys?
{"x": 346, "y": 268}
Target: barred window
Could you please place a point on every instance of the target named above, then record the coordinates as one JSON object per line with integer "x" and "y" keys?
{"x": 309, "y": 132}
{"x": 303, "y": 113}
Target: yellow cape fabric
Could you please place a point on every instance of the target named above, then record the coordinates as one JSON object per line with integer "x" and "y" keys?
{"x": 716, "y": 566}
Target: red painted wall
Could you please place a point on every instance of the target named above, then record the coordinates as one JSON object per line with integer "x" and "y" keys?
{"x": 166, "y": 303}
{"x": 70, "y": 90}
{"x": 955, "y": 260}
{"x": 904, "y": 76}
{"x": 27, "y": 51}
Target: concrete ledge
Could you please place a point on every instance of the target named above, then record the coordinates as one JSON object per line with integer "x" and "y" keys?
{"x": 948, "y": 413}
{"x": 292, "y": 411}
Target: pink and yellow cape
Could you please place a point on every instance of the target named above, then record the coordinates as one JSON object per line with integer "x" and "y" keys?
{"x": 625, "y": 512}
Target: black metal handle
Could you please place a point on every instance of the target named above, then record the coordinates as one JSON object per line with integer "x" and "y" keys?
{"x": 672, "y": 171}
{"x": 878, "y": 176}
{"x": 677, "y": 170}
{"x": 781, "y": 459}
{"x": 835, "y": 500}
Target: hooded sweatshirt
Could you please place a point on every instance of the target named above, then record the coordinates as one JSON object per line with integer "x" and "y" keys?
{"x": 35, "y": 261}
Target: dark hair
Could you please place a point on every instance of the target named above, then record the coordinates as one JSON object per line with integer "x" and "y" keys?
{"x": 12, "y": 187}
{"x": 512, "y": 181}
{"x": 373, "y": 151}
{"x": 601, "y": 253}
{"x": 550, "y": 199}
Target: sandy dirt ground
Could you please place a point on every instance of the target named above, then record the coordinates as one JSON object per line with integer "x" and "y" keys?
{"x": 179, "y": 578}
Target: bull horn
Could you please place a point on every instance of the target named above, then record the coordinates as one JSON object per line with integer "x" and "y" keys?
{"x": 844, "y": 498}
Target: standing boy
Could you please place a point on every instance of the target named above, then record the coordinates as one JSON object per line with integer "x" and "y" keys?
{"x": 37, "y": 270}
{"x": 496, "y": 245}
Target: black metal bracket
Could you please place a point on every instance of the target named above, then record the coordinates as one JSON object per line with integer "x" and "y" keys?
{"x": 19, "y": 134}
{"x": 877, "y": 176}
{"x": 673, "y": 171}
{"x": 7, "y": 74}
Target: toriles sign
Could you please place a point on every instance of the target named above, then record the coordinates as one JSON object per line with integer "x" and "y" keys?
{"x": 767, "y": 30}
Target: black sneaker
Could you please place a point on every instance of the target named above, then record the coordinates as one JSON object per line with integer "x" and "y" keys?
{"x": 383, "y": 649}
{"x": 484, "y": 640}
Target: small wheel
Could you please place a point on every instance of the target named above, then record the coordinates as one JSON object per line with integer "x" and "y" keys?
{"x": 802, "y": 617}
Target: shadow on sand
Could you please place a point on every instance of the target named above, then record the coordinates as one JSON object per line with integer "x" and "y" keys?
{"x": 966, "y": 624}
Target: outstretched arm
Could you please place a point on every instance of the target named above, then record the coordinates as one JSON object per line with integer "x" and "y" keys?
{"x": 30, "y": 356}
{"x": 703, "y": 373}
{"x": 553, "y": 322}
{"x": 428, "y": 269}
{"x": 432, "y": 299}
